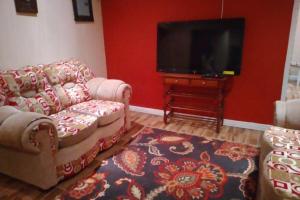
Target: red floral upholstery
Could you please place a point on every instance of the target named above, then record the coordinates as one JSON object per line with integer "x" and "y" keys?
{"x": 280, "y": 175}
{"x": 280, "y": 164}
{"x": 60, "y": 74}
{"x": 2, "y": 97}
{"x": 36, "y": 104}
{"x": 23, "y": 90}
{"x": 45, "y": 89}
{"x": 78, "y": 93}
{"x": 106, "y": 111}
{"x": 68, "y": 79}
{"x": 83, "y": 72}
{"x": 14, "y": 82}
{"x": 75, "y": 166}
{"x": 73, "y": 127}
{"x": 52, "y": 100}
{"x": 62, "y": 95}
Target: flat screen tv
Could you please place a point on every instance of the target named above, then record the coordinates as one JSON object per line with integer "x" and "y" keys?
{"x": 206, "y": 47}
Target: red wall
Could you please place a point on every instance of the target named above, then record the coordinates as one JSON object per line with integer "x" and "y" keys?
{"x": 130, "y": 45}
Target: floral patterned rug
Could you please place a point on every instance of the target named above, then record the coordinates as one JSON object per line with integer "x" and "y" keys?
{"x": 160, "y": 164}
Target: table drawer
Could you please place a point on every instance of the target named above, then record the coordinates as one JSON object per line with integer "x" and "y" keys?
{"x": 176, "y": 81}
{"x": 204, "y": 83}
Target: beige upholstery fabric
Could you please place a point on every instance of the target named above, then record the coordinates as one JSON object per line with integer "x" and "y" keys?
{"x": 287, "y": 113}
{"x": 112, "y": 90}
{"x": 6, "y": 111}
{"x": 93, "y": 85}
{"x": 36, "y": 169}
{"x": 18, "y": 130}
{"x": 28, "y": 142}
{"x": 109, "y": 90}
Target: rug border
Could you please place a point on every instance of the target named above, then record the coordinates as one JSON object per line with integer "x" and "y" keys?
{"x": 193, "y": 134}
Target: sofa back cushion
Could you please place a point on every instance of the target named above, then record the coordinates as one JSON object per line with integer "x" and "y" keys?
{"x": 46, "y": 89}
{"x": 68, "y": 79}
{"x": 27, "y": 89}
{"x": 2, "y": 97}
{"x": 24, "y": 89}
{"x": 14, "y": 82}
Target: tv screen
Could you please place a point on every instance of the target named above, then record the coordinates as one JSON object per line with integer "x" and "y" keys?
{"x": 206, "y": 47}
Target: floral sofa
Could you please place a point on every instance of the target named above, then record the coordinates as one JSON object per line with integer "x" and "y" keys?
{"x": 55, "y": 118}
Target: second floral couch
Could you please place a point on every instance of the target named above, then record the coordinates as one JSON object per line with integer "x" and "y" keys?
{"x": 54, "y": 119}
{"x": 279, "y": 165}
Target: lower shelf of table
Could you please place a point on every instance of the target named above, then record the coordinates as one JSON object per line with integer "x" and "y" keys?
{"x": 210, "y": 110}
{"x": 217, "y": 118}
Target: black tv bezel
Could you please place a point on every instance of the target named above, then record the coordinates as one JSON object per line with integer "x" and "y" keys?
{"x": 227, "y": 21}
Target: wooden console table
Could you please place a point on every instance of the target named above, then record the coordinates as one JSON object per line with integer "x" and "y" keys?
{"x": 196, "y": 95}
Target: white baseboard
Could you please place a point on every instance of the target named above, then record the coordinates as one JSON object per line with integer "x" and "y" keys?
{"x": 227, "y": 122}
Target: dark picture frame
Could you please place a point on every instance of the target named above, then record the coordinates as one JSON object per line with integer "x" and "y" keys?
{"x": 83, "y": 10}
{"x": 26, "y": 6}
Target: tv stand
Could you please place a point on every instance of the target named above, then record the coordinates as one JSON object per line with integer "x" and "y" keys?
{"x": 194, "y": 95}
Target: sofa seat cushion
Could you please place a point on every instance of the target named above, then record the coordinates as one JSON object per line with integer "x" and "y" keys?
{"x": 105, "y": 111}
{"x": 73, "y": 127}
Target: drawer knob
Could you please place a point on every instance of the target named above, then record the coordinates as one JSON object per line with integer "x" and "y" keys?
{"x": 176, "y": 81}
{"x": 203, "y": 82}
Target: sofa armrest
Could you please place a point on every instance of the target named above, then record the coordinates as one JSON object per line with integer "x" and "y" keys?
{"x": 280, "y": 113}
{"x": 26, "y": 131}
{"x": 110, "y": 89}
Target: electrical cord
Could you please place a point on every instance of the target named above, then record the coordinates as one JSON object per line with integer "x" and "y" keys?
{"x": 222, "y": 9}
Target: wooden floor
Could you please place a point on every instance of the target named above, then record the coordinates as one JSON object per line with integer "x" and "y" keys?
{"x": 14, "y": 189}
{"x": 200, "y": 128}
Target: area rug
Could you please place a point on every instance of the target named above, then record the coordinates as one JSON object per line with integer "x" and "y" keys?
{"x": 160, "y": 164}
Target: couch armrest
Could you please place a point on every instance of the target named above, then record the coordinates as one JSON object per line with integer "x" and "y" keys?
{"x": 110, "y": 89}
{"x": 26, "y": 131}
{"x": 280, "y": 113}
